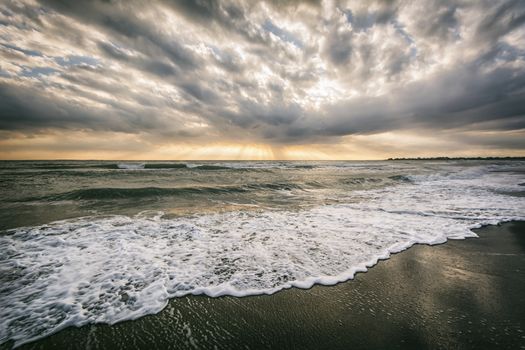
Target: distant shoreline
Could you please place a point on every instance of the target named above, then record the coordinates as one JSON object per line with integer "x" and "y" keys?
{"x": 459, "y": 158}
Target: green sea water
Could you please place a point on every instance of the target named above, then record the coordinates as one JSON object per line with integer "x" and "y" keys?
{"x": 38, "y": 192}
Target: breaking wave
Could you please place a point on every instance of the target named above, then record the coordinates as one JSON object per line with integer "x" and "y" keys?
{"x": 109, "y": 193}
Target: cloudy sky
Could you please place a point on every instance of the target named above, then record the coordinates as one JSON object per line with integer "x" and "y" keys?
{"x": 242, "y": 79}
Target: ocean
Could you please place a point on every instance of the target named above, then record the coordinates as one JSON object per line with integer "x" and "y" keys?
{"x": 84, "y": 242}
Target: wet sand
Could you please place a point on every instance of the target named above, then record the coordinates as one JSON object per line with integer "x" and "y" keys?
{"x": 460, "y": 295}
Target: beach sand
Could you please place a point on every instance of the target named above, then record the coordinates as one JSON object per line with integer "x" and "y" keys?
{"x": 459, "y": 295}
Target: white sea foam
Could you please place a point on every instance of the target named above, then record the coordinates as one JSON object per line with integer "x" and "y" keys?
{"x": 131, "y": 166}
{"x": 110, "y": 269}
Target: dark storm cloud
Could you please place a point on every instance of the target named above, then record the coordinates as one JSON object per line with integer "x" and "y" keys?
{"x": 128, "y": 25}
{"x": 443, "y": 25}
{"x": 275, "y": 71}
{"x": 228, "y": 16}
{"x": 362, "y": 20}
{"x": 339, "y": 46}
{"x": 460, "y": 98}
{"x": 501, "y": 19}
{"x": 25, "y": 52}
{"x": 199, "y": 92}
{"x": 24, "y": 108}
{"x": 149, "y": 65}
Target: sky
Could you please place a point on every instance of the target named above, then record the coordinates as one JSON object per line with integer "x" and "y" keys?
{"x": 242, "y": 79}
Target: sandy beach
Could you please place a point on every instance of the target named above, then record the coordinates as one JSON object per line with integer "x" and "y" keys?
{"x": 465, "y": 294}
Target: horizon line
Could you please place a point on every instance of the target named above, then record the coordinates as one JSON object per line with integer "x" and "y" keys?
{"x": 267, "y": 160}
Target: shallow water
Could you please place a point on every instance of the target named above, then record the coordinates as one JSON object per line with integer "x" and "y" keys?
{"x": 103, "y": 242}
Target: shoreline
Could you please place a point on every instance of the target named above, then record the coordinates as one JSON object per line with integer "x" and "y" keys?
{"x": 383, "y": 307}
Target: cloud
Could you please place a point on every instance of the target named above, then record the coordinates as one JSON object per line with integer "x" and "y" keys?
{"x": 270, "y": 72}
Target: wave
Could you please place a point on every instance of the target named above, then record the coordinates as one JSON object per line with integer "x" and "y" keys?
{"x": 305, "y": 166}
{"x": 278, "y": 186}
{"x": 165, "y": 166}
{"x": 142, "y": 192}
{"x": 214, "y": 167}
{"x": 58, "y": 172}
{"x": 179, "y": 166}
{"x": 133, "y": 166}
{"x": 123, "y": 166}
{"x": 128, "y": 166}
{"x": 361, "y": 180}
{"x": 112, "y": 193}
{"x": 152, "y": 165}
{"x": 53, "y": 166}
{"x": 401, "y": 178}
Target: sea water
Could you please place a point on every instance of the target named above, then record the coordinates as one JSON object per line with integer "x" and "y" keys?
{"x": 102, "y": 242}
